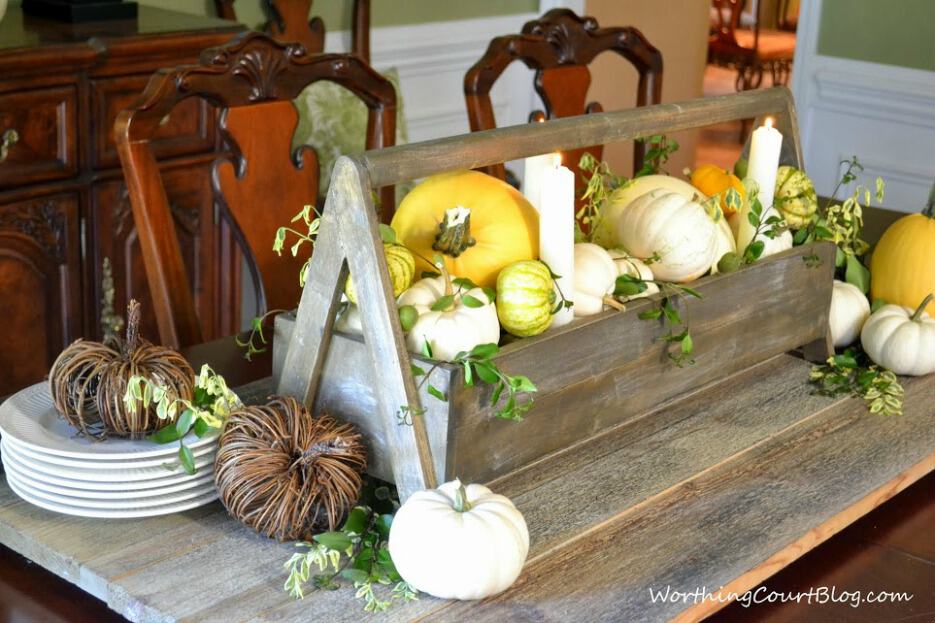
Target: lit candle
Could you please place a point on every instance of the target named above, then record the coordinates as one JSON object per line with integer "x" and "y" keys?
{"x": 535, "y": 169}
{"x": 557, "y": 230}
{"x": 765, "y": 146}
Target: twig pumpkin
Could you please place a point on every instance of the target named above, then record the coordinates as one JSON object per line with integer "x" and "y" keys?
{"x": 285, "y": 473}
{"x": 88, "y": 381}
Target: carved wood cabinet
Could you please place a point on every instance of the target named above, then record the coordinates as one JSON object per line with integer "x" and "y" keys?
{"x": 66, "y": 227}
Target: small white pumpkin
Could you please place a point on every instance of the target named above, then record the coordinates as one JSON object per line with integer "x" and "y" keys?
{"x": 458, "y": 328}
{"x": 725, "y": 242}
{"x": 849, "y": 310}
{"x": 595, "y": 274}
{"x": 634, "y": 267}
{"x": 677, "y": 229}
{"x": 348, "y": 321}
{"x": 458, "y": 542}
{"x": 901, "y": 339}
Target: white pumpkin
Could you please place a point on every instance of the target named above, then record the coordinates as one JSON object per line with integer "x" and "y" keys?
{"x": 901, "y": 339}
{"x": 458, "y": 542}
{"x": 634, "y": 267}
{"x": 849, "y": 310}
{"x": 595, "y": 275}
{"x": 676, "y": 229}
{"x": 348, "y": 320}
{"x": 725, "y": 242}
{"x": 451, "y": 331}
{"x": 605, "y": 233}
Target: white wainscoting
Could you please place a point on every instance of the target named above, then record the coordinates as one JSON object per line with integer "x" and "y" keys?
{"x": 883, "y": 114}
{"x": 432, "y": 59}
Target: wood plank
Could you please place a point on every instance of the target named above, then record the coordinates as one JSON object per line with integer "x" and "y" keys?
{"x": 479, "y": 149}
{"x": 731, "y": 525}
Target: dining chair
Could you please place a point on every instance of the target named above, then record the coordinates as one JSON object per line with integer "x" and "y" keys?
{"x": 287, "y": 20}
{"x": 258, "y": 185}
{"x": 559, "y": 46}
{"x": 752, "y": 52}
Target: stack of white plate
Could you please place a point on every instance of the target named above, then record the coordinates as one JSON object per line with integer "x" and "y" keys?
{"x": 49, "y": 465}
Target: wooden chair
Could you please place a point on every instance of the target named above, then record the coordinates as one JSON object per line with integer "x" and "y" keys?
{"x": 750, "y": 52}
{"x": 260, "y": 185}
{"x": 288, "y": 21}
{"x": 559, "y": 46}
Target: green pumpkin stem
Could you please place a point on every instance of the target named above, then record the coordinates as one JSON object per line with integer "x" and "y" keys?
{"x": 922, "y": 306}
{"x": 929, "y": 209}
{"x": 454, "y": 232}
{"x": 461, "y": 502}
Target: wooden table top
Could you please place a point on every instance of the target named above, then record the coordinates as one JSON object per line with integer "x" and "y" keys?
{"x": 722, "y": 488}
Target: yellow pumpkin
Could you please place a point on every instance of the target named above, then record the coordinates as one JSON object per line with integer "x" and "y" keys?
{"x": 713, "y": 180}
{"x": 477, "y": 223}
{"x": 902, "y": 267}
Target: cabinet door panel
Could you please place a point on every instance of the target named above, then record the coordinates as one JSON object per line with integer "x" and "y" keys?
{"x": 115, "y": 237}
{"x": 39, "y": 286}
{"x": 40, "y": 130}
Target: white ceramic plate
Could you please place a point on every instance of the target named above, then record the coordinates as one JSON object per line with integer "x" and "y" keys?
{"x": 124, "y": 504}
{"x": 152, "y": 511}
{"x": 29, "y": 417}
{"x": 47, "y": 457}
{"x": 106, "y": 475}
{"x": 170, "y": 478}
{"x": 27, "y": 479}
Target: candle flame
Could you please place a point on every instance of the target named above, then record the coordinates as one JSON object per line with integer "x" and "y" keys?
{"x": 768, "y": 122}
{"x": 557, "y": 159}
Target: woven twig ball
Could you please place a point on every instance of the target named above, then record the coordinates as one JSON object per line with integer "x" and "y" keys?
{"x": 89, "y": 380}
{"x": 286, "y": 474}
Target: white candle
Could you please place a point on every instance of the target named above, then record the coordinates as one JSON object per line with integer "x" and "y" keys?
{"x": 534, "y": 170}
{"x": 557, "y": 231}
{"x": 765, "y": 147}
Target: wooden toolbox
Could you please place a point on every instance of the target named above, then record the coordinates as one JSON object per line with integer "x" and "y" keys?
{"x": 593, "y": 374}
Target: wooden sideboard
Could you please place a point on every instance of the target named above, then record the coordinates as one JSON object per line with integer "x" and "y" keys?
{"x": 64, "y": 208}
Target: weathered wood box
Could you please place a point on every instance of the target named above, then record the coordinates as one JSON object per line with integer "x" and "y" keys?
{"x": 592, "y": 375}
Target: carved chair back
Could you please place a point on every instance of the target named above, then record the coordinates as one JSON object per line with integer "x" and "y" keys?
{"x": 559, "y": 46}
{"x": 727, "y": 20}
{"x": 288, "y": 21}
{"x": 258, "y": 184}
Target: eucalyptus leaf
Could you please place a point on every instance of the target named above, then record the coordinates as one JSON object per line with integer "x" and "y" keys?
{"x": 443, "y": 303}
{"x": 436, "y": 393}
{"x": 857, "y": 274}
{"x": 470, "y": 301}
{"x": 187, "y": 459}
{"x": 333, "y": 540}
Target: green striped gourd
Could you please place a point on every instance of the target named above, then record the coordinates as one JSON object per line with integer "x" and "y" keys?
{"x": 402, "y": 267}
{"x": 525, "y": 298}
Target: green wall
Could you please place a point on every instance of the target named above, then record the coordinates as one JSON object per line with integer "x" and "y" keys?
{"x": 337, "y": 13}
{"x": 894, "y": 32}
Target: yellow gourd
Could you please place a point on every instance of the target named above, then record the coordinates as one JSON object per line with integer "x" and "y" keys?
{"x": 477, "y": 223}
{"x": 713, "y": 180}
{"x": 902, "y": 267}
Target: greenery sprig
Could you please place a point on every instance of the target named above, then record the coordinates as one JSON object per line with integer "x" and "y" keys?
{"x": 250, "y": 345}
{"x": 659, "y": 148}
{"x": 479, "y": 366}
{"x": 763, "y": 223}
{"x": 680, "y": 345}
{"x": 312, "y": 220}
{"x": 842, "y": 224}
{"x": 853, "y": 373}
{"x": 357, "y": 553}
{"x": 600, "y": 184}
{"x": 205, "y": 414}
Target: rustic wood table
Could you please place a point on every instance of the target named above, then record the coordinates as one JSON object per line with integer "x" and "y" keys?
{"x": 720, "y": 488}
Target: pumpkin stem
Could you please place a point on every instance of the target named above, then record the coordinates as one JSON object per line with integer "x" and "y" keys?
{"x": 929, "y": 209}
{"x": 614, "y": 303}
{"x": 133, "y": 328}
{"x": 454, "y": 232}
{"x": 461, "y": 502}
{"x": 922, "y": 306}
